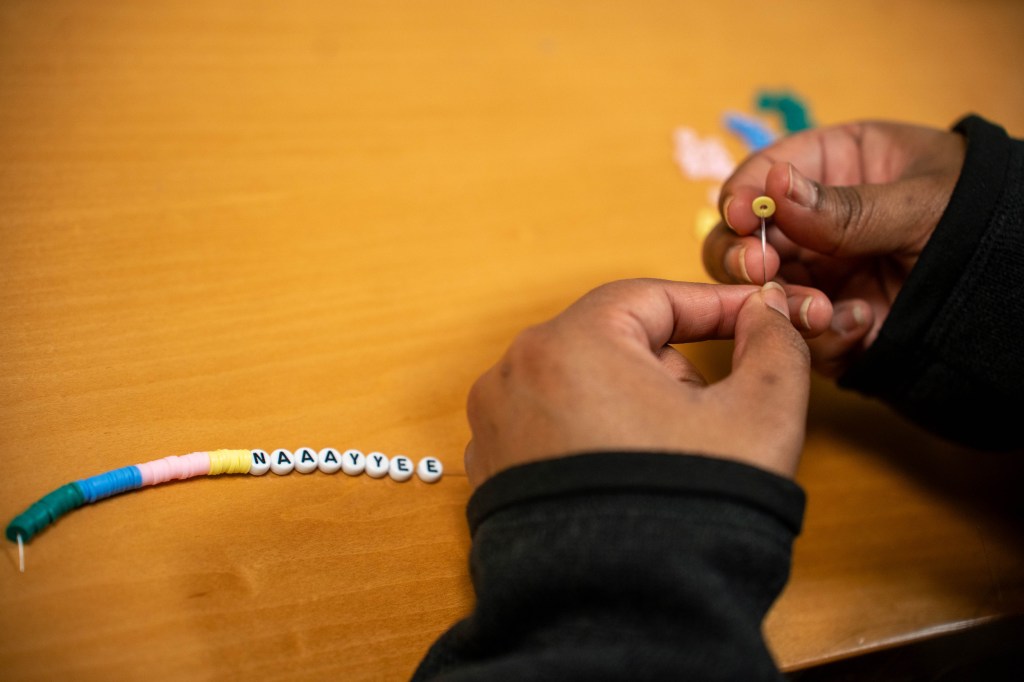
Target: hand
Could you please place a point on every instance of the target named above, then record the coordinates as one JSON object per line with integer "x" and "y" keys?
{"x": 855, "y": 206}
{"x": 601, "y": 376}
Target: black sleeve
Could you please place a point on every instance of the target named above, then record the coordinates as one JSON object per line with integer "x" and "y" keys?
{"x": 622, "y": 566}
{"x": 949, "y": 354}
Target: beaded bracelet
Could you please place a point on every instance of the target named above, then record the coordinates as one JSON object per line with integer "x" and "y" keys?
{"x": 71, "y": 496}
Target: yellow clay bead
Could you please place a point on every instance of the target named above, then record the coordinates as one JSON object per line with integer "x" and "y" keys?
{"x": 763, "y": 207}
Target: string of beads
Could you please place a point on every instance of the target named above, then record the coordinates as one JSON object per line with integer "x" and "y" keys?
{"x": 71, "y": 496}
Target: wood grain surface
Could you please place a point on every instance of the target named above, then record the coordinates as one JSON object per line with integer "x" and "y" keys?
{"x": 257, "y": 224}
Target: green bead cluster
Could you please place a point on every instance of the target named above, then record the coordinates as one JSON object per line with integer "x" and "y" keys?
{"x": 44, "y": 512}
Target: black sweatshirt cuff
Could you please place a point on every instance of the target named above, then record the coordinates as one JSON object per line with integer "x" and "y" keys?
{"x": 639, "y": 472}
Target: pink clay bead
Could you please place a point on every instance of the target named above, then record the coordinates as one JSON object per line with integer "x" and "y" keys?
{"x": 175, "y": 467}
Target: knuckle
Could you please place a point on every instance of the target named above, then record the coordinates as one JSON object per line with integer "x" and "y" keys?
{"x": 617, "y": 289}
{"x": 529, "y": 343}
{"x": 531, "y": 356}
{"x": 475, "y": 398}
{"x": 849, "y": 210}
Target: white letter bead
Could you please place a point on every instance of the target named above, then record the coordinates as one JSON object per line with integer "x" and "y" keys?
{"x": 401, "y": 468}
{"x": 329, "y": 461}
{"x": 429, "y": 469}
{"x": 281, "y": 462}
{"x": 260, "y": 463}
{"x": 305, "y": 460}
{"x": 353, "y": 462}
{"x": 376, "y": 465}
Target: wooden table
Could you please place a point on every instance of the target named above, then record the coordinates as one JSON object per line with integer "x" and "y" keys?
{"x": 237, "y": 224}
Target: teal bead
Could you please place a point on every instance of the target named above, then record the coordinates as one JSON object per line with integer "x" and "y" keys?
{"x": 44, "y": 512}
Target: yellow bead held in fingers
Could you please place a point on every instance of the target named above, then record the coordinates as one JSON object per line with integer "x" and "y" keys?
{"x": 763, "y": 207}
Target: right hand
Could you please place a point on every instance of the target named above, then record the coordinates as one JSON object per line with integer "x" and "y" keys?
{"x": 855, "y": 205}
{"x": 602, "y": 377}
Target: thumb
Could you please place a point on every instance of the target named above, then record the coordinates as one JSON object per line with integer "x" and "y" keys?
{"x": 771, "y": 376}
{"x": 859, "y": 220}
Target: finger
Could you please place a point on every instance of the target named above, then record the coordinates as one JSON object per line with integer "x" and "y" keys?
{"x": 770, "y": 357}
{"x": 854, "y": 220}
{"x": 736, "y": 207}
{"x": 771, "y": 375}
{"x": 728, "y": 258}
{"x": 834, "y": 350}
{"x": 738, "y": 260}
{"x": 748, "y": 180}
{"x": 719, "y": 242}
{"x": 810, "y": 310}
{"x": 656, "y": 313}
{"x": 679, "y": 368}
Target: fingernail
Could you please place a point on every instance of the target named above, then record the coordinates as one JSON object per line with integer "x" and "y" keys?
{"x": 801, "y": 190}
{"x": 847, "y": 316}
{"x": 775, "y": 297}
{"x": 725, "y": 212}
{"x": 804, "y": 307}
{"x": 742, "y": 263}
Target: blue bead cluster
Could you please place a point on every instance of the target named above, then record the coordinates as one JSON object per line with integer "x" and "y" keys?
{"x": 111, "y": 483}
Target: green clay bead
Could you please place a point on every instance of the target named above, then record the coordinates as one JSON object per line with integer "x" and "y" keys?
{"x": 44, "y": 512}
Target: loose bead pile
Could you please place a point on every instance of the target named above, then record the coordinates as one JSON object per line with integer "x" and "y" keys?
{"x": 69, "y": 497}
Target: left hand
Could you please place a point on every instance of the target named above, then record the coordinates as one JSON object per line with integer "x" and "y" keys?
{"x": 853, "y": 227}
{"x": 601, "y": 376}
